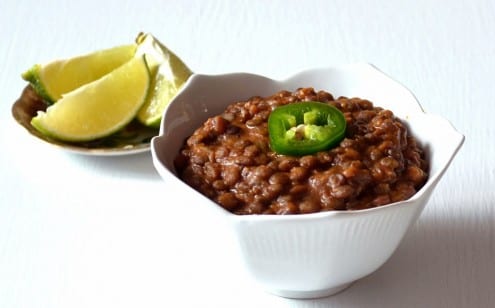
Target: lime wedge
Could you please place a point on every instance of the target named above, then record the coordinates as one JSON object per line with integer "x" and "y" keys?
{"x": 99, "y": 108}
{"x": 58, "y": 77}
{"x": 168, "y": 73}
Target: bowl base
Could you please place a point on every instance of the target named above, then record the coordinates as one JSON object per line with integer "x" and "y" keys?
{"x": 310, "y": 294}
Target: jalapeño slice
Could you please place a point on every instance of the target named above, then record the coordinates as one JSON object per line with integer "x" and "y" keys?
{"x": 305, "y": 128}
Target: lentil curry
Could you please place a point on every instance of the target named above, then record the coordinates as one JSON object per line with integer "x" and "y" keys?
{"x": 229, "y": 159}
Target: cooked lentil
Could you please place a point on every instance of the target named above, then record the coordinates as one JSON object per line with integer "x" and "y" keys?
{"x": 229, "y": 160}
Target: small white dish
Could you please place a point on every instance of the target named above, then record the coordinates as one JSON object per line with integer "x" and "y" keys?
{"x": 308, "y": 255}
{"x": 133, "y": 139}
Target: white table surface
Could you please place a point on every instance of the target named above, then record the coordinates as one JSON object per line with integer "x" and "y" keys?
{"x": 79, "y": 231}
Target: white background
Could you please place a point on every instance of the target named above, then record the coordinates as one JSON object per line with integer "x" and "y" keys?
{"x": 81, "y": 231}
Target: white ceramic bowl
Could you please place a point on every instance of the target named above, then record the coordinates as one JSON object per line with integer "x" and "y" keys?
{"x": 308, "y": 255}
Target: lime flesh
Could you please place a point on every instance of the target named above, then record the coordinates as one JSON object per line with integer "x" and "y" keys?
{"x": 58, "y": 77}
{"x": 99, "y": 108}
{"x": 168, "y": 72}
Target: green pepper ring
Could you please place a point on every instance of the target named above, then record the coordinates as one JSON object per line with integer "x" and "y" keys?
{"x": 304, "y": 128}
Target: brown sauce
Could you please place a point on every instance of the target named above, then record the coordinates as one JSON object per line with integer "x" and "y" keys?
{"x": 229, "y": 160}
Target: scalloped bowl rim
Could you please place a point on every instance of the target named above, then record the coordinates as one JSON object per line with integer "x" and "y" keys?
{"x": 429, "y": 185}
